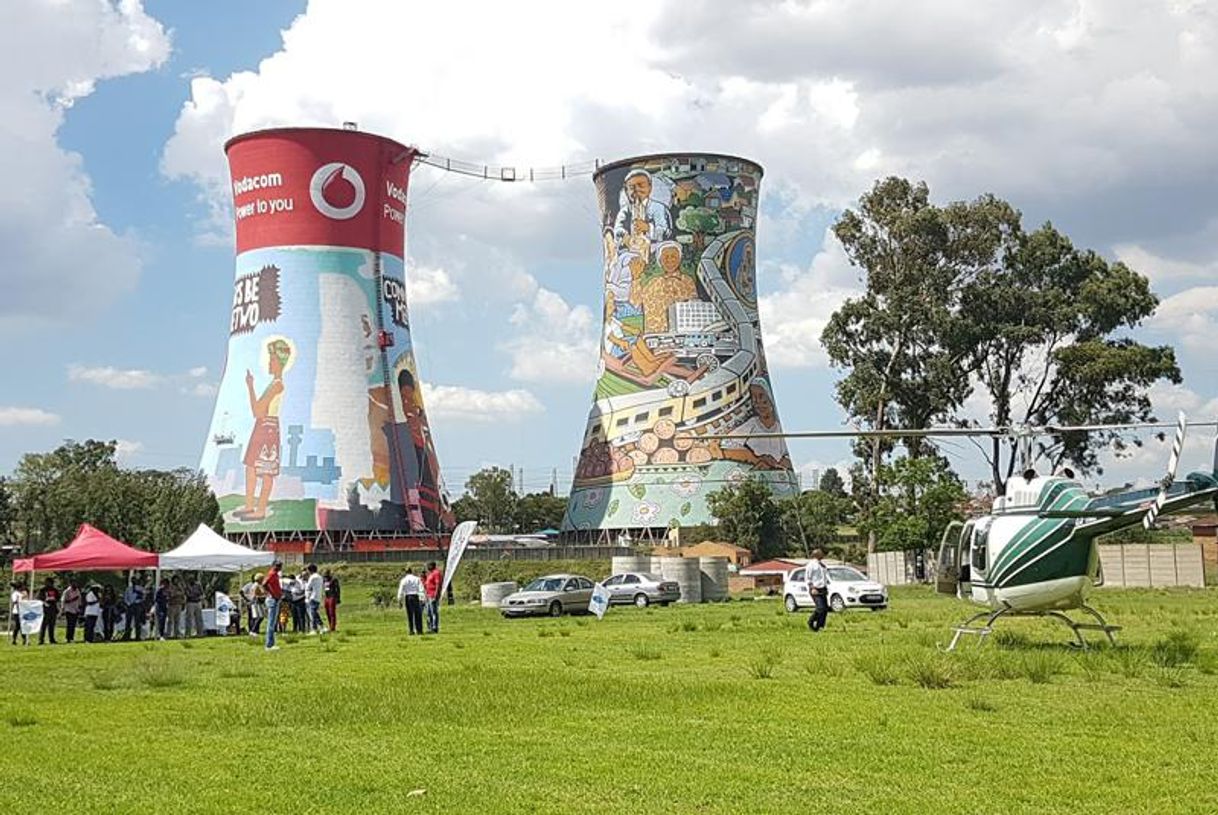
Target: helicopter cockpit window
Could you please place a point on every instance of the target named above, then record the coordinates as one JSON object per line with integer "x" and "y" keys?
{"x": 981, "y": 549}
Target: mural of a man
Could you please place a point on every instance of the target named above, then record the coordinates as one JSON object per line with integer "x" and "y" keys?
{"x": 672, "y": 286}
{"x": 262, "y": 453}
{"x": 643, "y": 221}
{"x": 759, "y": 451}
{"x": 411, "y": 455}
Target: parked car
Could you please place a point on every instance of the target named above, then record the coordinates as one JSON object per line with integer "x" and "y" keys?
{"x": 552, "y": 594}
{"x": 641, "y": 588}
{"x": 848, "y": 588}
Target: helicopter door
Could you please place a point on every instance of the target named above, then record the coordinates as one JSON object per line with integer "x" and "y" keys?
{"x": 947, "y": 575}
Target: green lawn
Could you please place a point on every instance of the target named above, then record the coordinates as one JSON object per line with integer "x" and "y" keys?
{"x": 729, "y": 708}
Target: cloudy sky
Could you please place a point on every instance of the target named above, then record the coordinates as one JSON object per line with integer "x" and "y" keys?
{"x": 115, "y": 236}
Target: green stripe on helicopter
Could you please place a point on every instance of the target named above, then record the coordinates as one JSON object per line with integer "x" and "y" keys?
{"x": 1058, "y": 495}
{"x": 1050, "y": 534}
{"x": 1066, "y": 558}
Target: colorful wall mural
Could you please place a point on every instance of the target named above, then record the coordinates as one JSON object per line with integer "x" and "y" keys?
{"x": 681, "y": 357}
{"x": 319, "y": 420}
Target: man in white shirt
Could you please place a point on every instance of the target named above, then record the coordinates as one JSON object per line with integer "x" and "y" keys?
{"x": 818, "y": 587}
{"x": 410, "y": 593}
{"x": 314, "y": 589}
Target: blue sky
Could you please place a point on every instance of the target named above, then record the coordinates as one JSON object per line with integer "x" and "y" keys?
{"x": 116, "y": 322}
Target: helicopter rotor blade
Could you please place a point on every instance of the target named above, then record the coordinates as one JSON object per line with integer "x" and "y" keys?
{"x": 1177, "y": 445}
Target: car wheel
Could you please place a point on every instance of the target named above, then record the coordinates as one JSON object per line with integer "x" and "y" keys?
{"x": 641, "y": 600}
{"x": 790, "y": 603}
{"x": 837, "y": 603}
{"x": 556, "y": 609}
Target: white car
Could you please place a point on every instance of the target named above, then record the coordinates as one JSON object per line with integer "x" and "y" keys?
{"x": 848, "y": 588}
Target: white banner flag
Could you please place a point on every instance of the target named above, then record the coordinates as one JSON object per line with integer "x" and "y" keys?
{"x": 456, "y": 548}
{"x": 224, "y": 611}
{"x": 599, "y": 603}
{"x": 30, "y": 612}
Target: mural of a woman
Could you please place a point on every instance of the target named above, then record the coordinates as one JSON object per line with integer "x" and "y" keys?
{"x": 262, "y": 453}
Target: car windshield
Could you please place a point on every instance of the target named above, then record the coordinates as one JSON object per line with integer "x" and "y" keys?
{"x": 545, "y": 584}
{"x": 845, "y": 574}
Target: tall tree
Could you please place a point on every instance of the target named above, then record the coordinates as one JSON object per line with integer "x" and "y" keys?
{"x": 896, "y": 341}
{"x": 1044, "y": 332}
{"x": 492, "y": 500}
{"x": 831, "y": 482}
{"x": 919, "y": 497}
{"x": 749, "y": 517}
{"x": 538, "y": 511}
{"x": 811, "y": 519}
{"x": 8, "y": 512}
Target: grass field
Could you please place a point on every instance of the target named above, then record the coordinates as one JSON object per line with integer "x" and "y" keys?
{"x": 729, "y": 708}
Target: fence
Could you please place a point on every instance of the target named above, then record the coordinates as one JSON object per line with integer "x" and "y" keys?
{"x": 901, "y": 568}
{"x": 424, "y": 555}
{"x": 1142, "y": 565}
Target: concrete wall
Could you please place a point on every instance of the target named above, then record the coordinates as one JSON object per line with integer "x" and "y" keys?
{"x": 1145, "y": 565}
{"x": 900, "y": 568}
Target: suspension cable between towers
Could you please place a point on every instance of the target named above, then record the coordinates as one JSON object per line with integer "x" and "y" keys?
{"x": 496, "y": 172}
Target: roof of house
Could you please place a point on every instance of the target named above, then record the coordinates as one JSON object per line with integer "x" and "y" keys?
{"x": 775, "y": 566}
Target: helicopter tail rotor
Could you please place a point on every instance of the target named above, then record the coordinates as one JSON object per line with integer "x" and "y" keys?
{"x": 1177, "y": 445}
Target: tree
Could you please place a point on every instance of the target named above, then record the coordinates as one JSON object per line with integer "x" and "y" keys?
{"x": 896, "y": 341}
{"x": 832, "y": 483}
{"x": 812, "y": 518}
{"x": 749, "y": 517}
{"x": 1042, "y": 332}
{"x": 492, "y": 501}
{"x": 8, "y": 512}
{"x": 698, "y": 221}
{"x": 539, "y": 511}
{"x": 919, "y": 497}
{"x": 82, "y": 483}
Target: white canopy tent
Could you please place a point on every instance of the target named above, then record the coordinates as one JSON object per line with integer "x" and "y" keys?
{"x": 207, "y": 551}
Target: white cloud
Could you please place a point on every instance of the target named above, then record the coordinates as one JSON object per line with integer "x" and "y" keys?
{"x": 125, "y": 449}
{"x": 457, "y": 403}
{"x": 426, "y": 285}
{"x": 1161, "y": 269}
{"x": 556, "y": 342}
{"x": 59, "y": 259}
{"x": 115, "y": 378}
{"x": 793, "y": 317}
{"x": 26, "y": 417}
{"x": 1191, "y": 316}
{"x": 108, "y": 376}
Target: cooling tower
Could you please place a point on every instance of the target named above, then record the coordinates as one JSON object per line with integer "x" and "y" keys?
{"x": 681, "y": 357}
{"x": 319, "y": 420}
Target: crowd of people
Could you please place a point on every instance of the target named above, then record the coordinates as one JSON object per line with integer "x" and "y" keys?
{"x": 293, "y": 602}
{"x": 171, "y": 610}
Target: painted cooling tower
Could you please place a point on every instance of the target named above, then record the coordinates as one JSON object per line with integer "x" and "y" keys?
{"x": 319, "y": 421}
{"x": 681, "y": 355}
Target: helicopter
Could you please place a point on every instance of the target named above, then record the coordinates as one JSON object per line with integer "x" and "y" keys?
{"x": 1035, "y": 554}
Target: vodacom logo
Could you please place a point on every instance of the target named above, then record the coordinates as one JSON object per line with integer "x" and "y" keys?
{"x": 337, "y": 191}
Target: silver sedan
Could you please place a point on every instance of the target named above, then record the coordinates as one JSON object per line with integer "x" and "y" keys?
{"x": 641, "y": 588}
{"x": 552, "y": 594}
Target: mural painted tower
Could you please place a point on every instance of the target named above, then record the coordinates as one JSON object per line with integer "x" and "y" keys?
{"x": 681, "y": 355}
{"x": 319, "y": 422}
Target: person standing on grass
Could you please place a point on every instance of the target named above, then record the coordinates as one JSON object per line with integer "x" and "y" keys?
{"x": 194, "y": 608}
{"x": 274, "y": 593}
{"x": 817, "y": 577}
{"x": 314, "y": 589}
{"x": 177, "y": 605}
{"x": 73, "y": 605}
{"x": 295, "y": 590}
{"x": 334, "y": 597}
{"x": 160, "y": 602}
{"x": 252, "y": 595}
{"x": 92, "y": 612}
{"x": 410, "y": 591}
{"x": 109, "y": 612}
{"x": 16, "y": 596}
{"x": 133, "y": 597}
{"x": 431, "y": 586}
{"x": 49, "y": 595}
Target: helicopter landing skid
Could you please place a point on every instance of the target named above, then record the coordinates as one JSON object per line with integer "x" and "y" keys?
{"x": 984, "y": 630}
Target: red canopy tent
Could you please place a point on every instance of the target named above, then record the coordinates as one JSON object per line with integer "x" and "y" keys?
{"x": 90, "y": 550}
